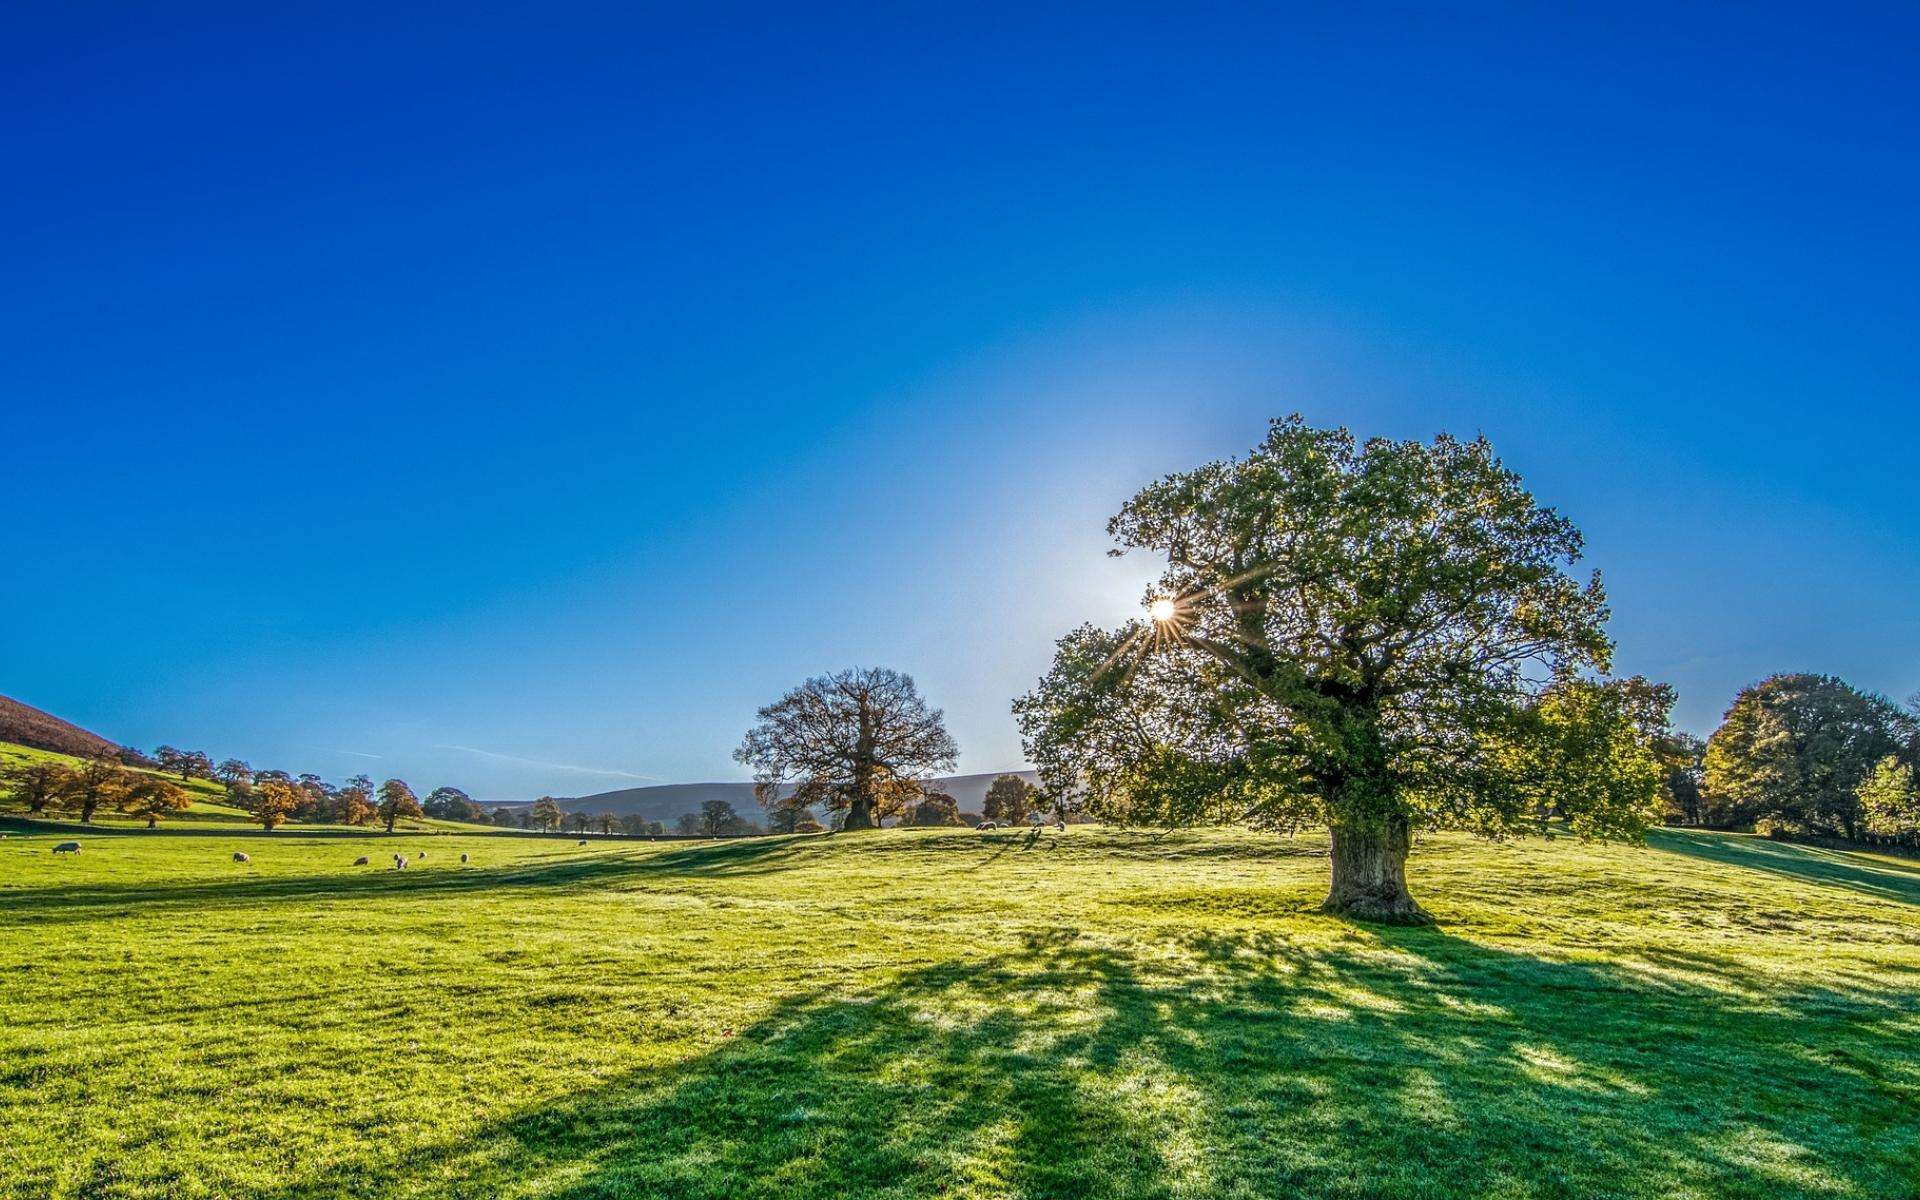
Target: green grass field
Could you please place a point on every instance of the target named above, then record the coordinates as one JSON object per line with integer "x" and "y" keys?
{"x": 934, "y": 1013}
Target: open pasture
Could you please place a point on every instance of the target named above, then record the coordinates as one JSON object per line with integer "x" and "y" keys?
{"x": 932, "y": 1013}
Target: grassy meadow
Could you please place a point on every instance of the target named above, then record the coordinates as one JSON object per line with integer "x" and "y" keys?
{"x": 946, "y": 1013}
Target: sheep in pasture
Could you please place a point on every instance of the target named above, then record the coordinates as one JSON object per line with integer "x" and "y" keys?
{"x": 583, "y": 841}
{"x": 399, "y": 864}
{"x": 67, "y": 848}
{"x": 240, "y": 858}
{"x": 988, "y": 825}
{"x": 423, "y": 856}
{"x": 463, "y": 858}
{"x": 361, "y": 861}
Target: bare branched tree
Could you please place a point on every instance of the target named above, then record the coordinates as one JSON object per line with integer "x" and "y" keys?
{"x": 857, "y": 742}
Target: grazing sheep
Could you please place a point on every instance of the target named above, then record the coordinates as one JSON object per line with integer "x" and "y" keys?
{"x": 361, "y": 861}
{"x": 988, "y": 825}
{"x": 240, "y": 858}
{"x": 583, "y": 841}
{"x": 67, "y": 848}
{"x": 463, "y": 858}
{"x": 423, "y": 856}
{"x": 399, "y": 864}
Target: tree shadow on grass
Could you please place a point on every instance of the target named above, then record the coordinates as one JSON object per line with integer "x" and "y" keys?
{"x": 1399, "y": 1063}
{"x": 1814, "y": 864}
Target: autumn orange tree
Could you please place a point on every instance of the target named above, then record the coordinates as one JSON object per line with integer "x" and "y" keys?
{"x": 153, "y": 798}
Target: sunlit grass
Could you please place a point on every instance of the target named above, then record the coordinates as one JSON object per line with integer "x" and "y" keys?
{"x": 931, "y": 1013}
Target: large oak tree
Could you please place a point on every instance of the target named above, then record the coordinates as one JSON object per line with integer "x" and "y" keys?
{"x": 857, "y": 742}
{"x": 1354, "y": 636}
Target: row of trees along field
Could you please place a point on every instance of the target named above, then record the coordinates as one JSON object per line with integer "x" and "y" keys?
{"x": 273, "y": 797}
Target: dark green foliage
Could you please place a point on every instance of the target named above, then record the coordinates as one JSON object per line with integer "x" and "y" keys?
{"x": 936, "y": 808}
{"x": 1794, "y": 750}
{"x": 1009, "y": 798}
{"x": 452, "y": 804}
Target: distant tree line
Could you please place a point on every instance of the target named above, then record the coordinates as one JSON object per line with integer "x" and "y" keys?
{"x": 272, "y": 797}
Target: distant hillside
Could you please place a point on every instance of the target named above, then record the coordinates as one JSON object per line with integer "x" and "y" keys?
{"x": 25, "y": 725}
{"x": 665, "y": 802}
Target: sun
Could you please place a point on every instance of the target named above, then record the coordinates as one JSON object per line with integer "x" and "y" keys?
{"x": 1162, "y": 610}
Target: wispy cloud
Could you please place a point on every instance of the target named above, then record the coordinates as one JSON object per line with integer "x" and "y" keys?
{"x": 353, "y": 753}
{"x": 571, "y": 768}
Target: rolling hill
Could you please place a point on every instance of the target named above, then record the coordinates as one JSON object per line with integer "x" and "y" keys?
{"x": 25, "y": 725}
{"x": 667, "y": 801}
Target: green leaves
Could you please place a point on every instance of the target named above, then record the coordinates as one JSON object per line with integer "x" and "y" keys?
{"x": 1363, "y": 631}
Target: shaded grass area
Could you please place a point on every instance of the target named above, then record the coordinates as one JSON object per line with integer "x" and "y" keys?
{"x": 924, "y": 1013}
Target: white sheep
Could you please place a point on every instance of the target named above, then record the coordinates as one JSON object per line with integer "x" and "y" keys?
{"x": 67, "y": 848}
{"x": 361, "y": 861}
{"x": 399, "y": 864}
{"x": 240, "y": 858}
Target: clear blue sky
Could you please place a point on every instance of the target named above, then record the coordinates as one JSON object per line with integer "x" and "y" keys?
{"x": 516, "y": 398}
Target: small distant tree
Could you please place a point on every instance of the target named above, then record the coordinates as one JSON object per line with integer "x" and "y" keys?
{"x": 936, "y": 808}
{"x": 94, "y": 783}
{"x": 232, "y": 771}
{"x": 687, "y": 824}
{"x": 1009, "y": 798}
{"x": 452, "y": 804}
{"x": 854, "y": 743}
{"x": 273, "y": 775}
{"x": 241, "y": 794}
{"x": 546, "y": 814}
{"x": 1682, "y": 758}
{"x": 274, "y": 802}
{"x": 503, "y": 817}
{"x": 316, "y": 798}
{"x": 169, "y": 757}
{"x": 152, "y": 797}
{"x": 807, "y": 825}
{"x": 579, "y": 822}
{"x": 397, "y": 801}
{"x": 353, "y": 803}
{"x": 36, "y": 784}
{"x": 718, "y": 818}
{"x": 196, "y": 764}
{"x": 1890, "y": 802}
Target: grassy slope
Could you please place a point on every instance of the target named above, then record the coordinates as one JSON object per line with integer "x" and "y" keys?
{"x": 922, "y": 1013}
{"x": 209, "y": 809}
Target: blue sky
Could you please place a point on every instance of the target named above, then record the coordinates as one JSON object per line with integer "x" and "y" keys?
{"x": 518, "y": 400}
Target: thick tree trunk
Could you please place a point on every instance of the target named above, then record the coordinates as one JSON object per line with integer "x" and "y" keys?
{"x": 860, "y": 804}
{"x": 1370, "y": 874}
